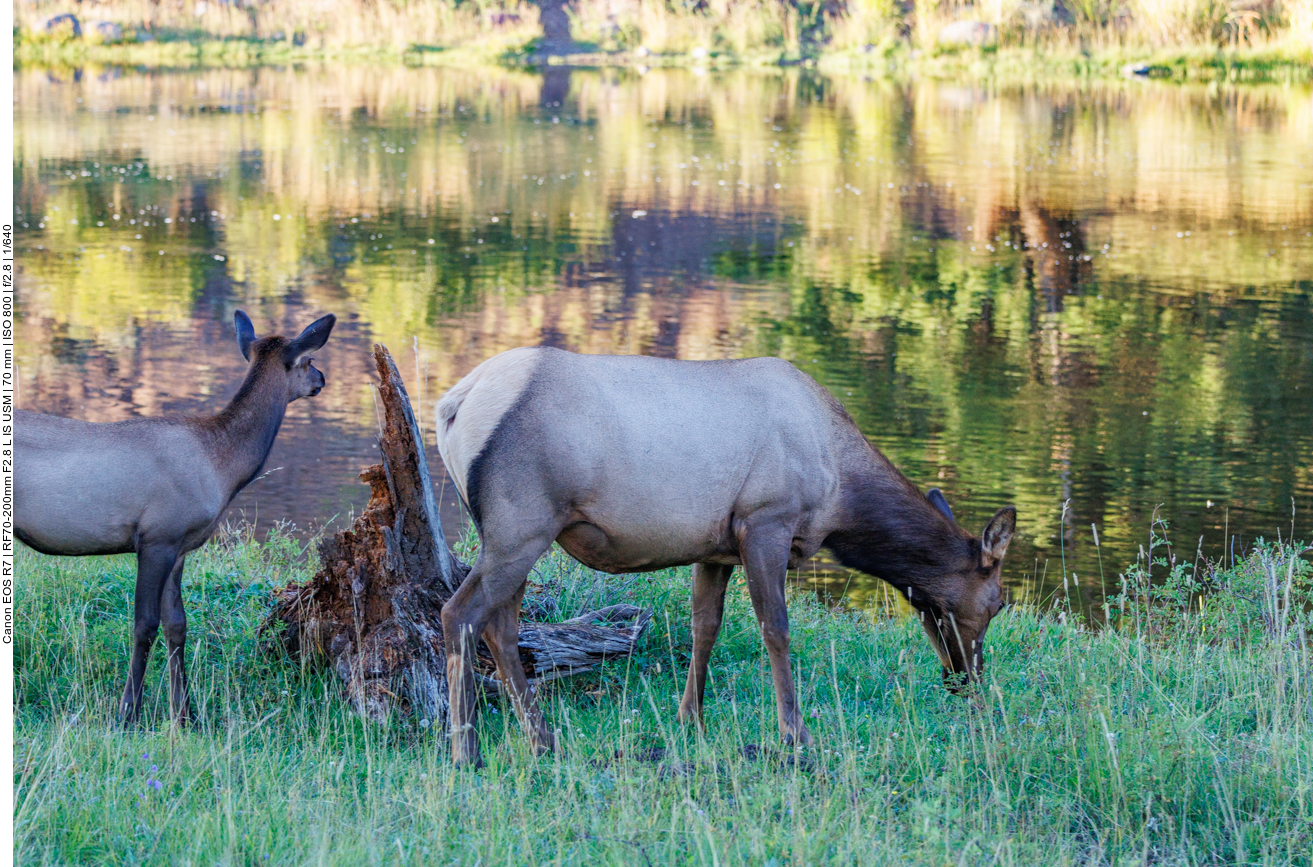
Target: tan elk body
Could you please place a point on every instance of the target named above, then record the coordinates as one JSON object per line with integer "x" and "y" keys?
{"x": 157, "y": 487}
{"x": 635, "y": 463}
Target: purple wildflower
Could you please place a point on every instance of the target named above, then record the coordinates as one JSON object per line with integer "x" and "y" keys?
{"x": 155, "y": 784}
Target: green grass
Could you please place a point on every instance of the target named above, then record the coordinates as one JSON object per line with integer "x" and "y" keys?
{"x": 1181, "y": 736}
{"x": 1057, "y": 63}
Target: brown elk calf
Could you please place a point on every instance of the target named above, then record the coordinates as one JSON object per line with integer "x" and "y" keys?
{"x": 634, "y": 464}
{"x": 157, "y": 487}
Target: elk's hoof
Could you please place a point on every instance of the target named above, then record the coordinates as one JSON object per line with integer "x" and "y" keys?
{"x": 467, "y": 760}
{"x": 465, "y": 750}
{"x": 541, "y": 740}
{"x": 800, "y": 738}
{"x": 690, "y": 716}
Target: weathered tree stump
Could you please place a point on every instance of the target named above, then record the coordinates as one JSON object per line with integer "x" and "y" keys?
{"x": 373, "y": 610}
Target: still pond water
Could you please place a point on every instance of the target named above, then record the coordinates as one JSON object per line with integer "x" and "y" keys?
{"x": 1098, "y": 296}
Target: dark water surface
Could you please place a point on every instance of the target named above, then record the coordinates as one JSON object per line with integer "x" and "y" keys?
{"x": 1100, "y": 296}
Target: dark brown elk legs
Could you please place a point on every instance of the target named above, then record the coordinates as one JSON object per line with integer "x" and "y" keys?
{"x": 174, "y": 620}
{"x": 463, "y": 618}
{"x": 502, "y": 635}
{"x": 154, "y": 563}
{"x": 709, "y": 583}
{"x": 765, "y": 561}
{"x": 496, "y": 581}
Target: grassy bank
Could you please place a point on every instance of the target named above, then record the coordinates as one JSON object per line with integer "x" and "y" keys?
{"x": 1071, "y": 62}
{"x": 244, "y": 52}
{"x": 893, "y": 61}
{"x": 1237, "y": 39}
{"x": 1180, "y": 737}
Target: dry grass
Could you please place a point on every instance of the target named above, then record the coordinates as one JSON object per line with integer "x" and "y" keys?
{"x": 734, "y": 27}
{"x": 864, "y": 22}
{"x": 1211, "y": 22}
{"x": 727, "y": 29}
{"x": 325, "y": 25}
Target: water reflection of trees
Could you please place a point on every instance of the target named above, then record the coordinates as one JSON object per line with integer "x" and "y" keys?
{"x": 991, "y": 281}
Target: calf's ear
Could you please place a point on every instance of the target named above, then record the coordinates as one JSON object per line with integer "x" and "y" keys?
{"x": 314, "y": 336}
{"x": 245, "y": 333}
{"x": 998, "y": 533}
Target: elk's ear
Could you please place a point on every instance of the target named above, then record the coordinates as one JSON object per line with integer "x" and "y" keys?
{"x": 998, "y": 533}
{"x": 245, "y": 333}
{"x": 937, "y": 499}
{"x": 314, "y": 336}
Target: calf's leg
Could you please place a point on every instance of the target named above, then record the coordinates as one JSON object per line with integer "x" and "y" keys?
{"x": 765, "y": 554}
{"x": 174, "y": 620}
{"x": 709, "y": 583}
{"x": 154, "y": 563}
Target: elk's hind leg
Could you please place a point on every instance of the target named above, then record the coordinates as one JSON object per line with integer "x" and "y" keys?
{"x": 709, "y": 583}
{"x": 503, "y": 637}
{"x": 496, "y": 581}
{"x": 174, "y": 619}
{"x": 154, "y": 563}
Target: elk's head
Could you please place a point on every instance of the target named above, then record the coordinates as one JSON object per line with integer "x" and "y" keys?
{"x": 289, "y": 356}
{"x": 971, "y": 596}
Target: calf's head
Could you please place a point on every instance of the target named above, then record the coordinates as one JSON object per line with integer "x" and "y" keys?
{"x": 969, "y": 598}
{"x": 291, "y": 357}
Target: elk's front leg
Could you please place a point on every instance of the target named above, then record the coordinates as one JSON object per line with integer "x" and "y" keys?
{"x": 154, "y": 563}
{"x": 709, "y": 583}
{"x": 765, "y": 554}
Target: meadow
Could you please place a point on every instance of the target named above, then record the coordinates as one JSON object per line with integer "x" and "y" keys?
{"x": 1171, "y": 725}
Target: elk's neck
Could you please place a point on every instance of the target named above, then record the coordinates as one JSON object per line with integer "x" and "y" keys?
{"x": 244, "y": 430}
{"x": 890, "y": 530}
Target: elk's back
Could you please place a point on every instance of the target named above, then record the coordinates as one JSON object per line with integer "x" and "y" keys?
{"x": 653, "y": 460}
{"x": 92, "y": 488}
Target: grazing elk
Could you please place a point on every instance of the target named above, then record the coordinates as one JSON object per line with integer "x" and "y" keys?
{"x": 157, "y": 487}
{"x": 634, "y": 464}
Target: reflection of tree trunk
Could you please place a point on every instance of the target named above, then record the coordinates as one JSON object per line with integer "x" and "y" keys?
{"x": 1055, "y": 247}
{"x": 556, "y": 86}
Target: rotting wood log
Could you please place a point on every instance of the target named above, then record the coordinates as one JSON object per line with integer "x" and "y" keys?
{"x": 373, "y": 610}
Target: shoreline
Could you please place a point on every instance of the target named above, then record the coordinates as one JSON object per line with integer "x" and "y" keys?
{"x": 1009, "y": 63}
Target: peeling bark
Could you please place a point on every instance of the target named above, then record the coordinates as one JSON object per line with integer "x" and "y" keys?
{"x": 373, "y": 610}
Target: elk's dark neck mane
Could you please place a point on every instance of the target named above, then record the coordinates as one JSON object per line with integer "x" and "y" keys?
{"x": 890, "y": 530}
{"x": 243, "y": 432}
